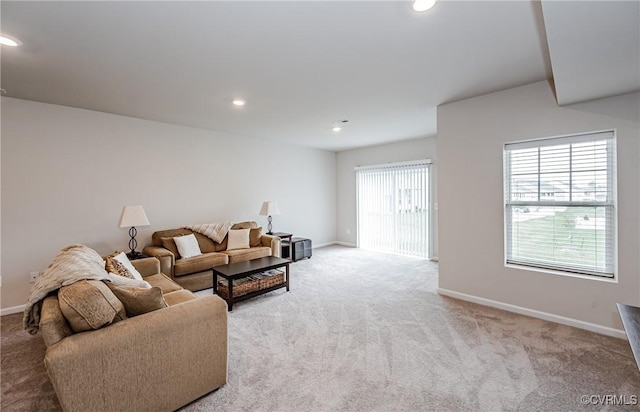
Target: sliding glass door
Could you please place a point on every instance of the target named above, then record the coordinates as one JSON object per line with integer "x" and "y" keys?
{"x": 393, "y": 208}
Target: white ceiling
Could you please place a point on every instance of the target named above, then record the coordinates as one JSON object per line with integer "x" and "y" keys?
{"x": 594, "y": 47}
{"x": 300, "y": 65}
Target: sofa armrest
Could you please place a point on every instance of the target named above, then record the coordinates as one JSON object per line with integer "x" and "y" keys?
{"x": 165, "y": 256}
{"x": 274, "y": 242}
{"x": 147, "y": 266}
{"x": 53, "y": 325}
{"x": 158, "y": 361}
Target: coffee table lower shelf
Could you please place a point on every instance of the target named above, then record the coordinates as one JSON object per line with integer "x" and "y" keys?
{"x": 238, "y": 271}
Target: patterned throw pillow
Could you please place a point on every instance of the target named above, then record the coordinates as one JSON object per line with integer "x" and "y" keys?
{"x": 117, "y": 267}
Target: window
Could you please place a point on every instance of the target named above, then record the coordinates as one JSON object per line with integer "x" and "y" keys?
{"x": 560, "y": 203}
{"x": 393, "y": 208}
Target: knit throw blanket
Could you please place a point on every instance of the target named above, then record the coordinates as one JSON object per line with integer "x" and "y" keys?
{"x": 215, "y": 231}
{"x": 73, "y": 263}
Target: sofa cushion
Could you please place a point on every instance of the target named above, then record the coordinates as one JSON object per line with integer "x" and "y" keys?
{"x": 249, "y": 224}
{"x": 199, "y": 263}
{"x": 220, "y": 247}
{"x": 157, "y": 236}
{"x": 255, "y": 237}
{"x": 163, "y": 282}
{"x": 170, "y": 244}
{"x": 238, "y": 239}
{"x": 207, "y": 245}
{"x": 240, "y": 255}
{"x": 89, "y": 304}
{"x": 137, "y": 301}
{"x": 179, "y": 296}
{"x": 187, "y": 246}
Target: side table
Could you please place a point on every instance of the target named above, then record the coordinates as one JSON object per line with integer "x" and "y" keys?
{"x": 136, "y": 256}
{"x": 286, "y": 245}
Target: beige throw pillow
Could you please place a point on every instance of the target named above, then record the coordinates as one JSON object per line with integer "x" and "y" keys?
{"x": 187, "y": 246}
{"x": 137, "y": 301}
{"x": 238, "y": 239}
{"x": 89, "y": 304}
{"x": 255, "y": 237}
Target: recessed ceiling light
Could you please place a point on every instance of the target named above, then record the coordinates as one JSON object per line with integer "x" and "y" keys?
{"x": 239, "y": 102}
{"x": 337, "y": 126}
{"x": 423, "y": 5}
{"x": 8, "y": 41}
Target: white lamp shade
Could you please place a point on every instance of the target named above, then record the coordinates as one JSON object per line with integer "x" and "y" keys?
{"x": 133, "y": 216}
{"x": 269, "y": 208}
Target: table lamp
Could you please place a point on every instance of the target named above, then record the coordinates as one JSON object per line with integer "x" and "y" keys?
{"x": 269, "y": 208}
{"x": 133, "y": 216}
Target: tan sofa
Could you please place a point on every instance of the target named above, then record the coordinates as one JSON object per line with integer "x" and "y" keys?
{"x": 157, "y": 361}
{"x": 195, "y": 273}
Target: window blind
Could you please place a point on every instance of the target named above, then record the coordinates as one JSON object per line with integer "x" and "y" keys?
{"x": 560, "y": 203}
{"x": 393, "y": 207}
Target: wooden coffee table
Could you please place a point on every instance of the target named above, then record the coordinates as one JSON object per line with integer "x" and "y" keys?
{"x": 239, "y": 270}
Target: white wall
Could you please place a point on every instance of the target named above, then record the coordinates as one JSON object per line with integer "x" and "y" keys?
{"x": 67, "y": 173}
{"x": 424, "y": 148}
{"x": 471, "y": 135}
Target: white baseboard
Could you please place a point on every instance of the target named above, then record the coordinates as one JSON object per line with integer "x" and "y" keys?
{"x": 319, "y": 245}
{"x": 335, "y": 242}
{"x": 12, "y": 310}
{"x": 347, "y": 244}
{"x": 592, "y": 327}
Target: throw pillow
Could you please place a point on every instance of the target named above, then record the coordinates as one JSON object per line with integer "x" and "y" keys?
{"x": 122, "y": 258}
{"x": 238, "y": 239}
{"x": 89, "y": 304}
{"x": 137, "y": 301}
{"x": 170, "y": 244}
{"x": 123, "y": 281}
{"x": 187, "y": 246}
{"x": 115, "y": 266}
{"x": 255, "y": 237}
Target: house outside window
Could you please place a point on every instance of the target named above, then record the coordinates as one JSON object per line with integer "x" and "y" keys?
{"x": 560, "y": 204}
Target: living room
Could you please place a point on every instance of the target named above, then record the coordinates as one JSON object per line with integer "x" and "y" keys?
{"x": 68, "y": 168}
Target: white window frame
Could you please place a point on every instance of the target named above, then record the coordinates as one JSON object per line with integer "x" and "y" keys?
{"x": 610, "y": 202}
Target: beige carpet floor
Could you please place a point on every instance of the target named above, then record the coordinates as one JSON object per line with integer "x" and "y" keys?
{"x": 361, "y": 331}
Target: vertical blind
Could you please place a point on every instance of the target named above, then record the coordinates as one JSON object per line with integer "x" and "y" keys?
{"x": 393, "y": 208}
{"x": 560, "y": 203}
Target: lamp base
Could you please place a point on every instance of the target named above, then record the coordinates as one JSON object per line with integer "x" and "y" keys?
{"x": 133, "y": 255}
